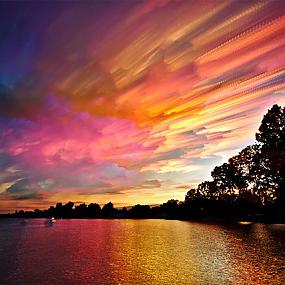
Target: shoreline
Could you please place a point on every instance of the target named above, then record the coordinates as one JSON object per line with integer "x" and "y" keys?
{"x": 244, "y": 222}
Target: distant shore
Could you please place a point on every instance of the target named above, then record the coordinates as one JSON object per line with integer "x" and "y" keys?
{"x": 202, "y": 219}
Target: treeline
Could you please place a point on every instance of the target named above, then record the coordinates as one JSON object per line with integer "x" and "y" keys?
{"x": 171, "y": 209}
{"x": 250, "y": 186}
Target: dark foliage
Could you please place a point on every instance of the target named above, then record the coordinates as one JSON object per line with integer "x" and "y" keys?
{"x": 251, "y": 184}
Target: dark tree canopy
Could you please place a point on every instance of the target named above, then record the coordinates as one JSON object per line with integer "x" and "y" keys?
{"x": 271, "y": 136}
{"x": 255, "y": 177}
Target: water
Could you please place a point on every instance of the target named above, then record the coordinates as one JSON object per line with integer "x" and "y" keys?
{"x": 140, "y": 252}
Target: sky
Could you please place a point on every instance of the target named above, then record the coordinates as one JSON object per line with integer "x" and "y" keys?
{"x": 130, "y": 101}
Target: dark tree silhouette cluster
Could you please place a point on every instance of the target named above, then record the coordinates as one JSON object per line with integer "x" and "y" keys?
{"x": 251, "y": 186}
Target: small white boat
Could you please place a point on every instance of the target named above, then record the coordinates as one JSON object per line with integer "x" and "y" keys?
{"x": 52, "y": 220}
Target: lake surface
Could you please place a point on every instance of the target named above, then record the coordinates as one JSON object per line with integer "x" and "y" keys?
{"x": 140, "y": 252}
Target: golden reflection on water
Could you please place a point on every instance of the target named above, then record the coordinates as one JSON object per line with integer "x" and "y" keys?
{"x": 192, "y": 253}
{"x": 141, "y": 252}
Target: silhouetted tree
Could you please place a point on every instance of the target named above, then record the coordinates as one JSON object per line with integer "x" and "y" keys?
{"x": 67, "y": 210}
{"x": 81, "y": 211}
{"x": 139, "y": 211}
{"x": 208, "y": 190}
{"x": 228, "y": 180}
{"x": 194, "y": 202}
{"x": 94, "y": 210}
{"x": 108, "y": 210}
{"x": 271, "y": 136}
{"x": 58, "y": 211}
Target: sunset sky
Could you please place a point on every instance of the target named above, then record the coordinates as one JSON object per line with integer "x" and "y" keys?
{"x": 130, "y": 101}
